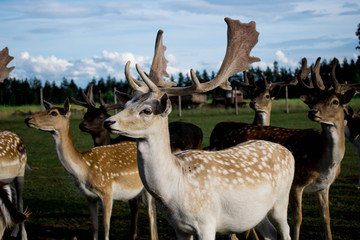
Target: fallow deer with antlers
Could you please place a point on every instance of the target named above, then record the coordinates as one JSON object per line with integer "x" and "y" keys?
{"x": 13, "y": 155}
{"x": 107, "y": 172}
{"x": 202, "y": 192}
{"x": 317, "y": 153}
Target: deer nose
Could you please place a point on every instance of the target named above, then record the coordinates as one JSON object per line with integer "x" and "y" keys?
{"x": 252, "y": 104}
{"x": 27, "y": 120}
{"x": 108, "y": 123}
{"x": 312, "y": 113}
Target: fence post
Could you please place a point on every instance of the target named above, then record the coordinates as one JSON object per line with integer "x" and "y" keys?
{"x": 41, "y": 100}
{"x": 115, "y": 99}
{"x": 286, "y": 100}
{"x": 179, "y": 104}
{"x": 236, "y": 103}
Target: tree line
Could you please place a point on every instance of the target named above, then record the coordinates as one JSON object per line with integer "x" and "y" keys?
{"x": 27, "y": 91}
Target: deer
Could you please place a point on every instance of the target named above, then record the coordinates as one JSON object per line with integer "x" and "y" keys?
{"x": 13, "y": 157}
{"x": 207, "y": 192}
{"x": 352, "y": 131}
{"x": 104, "y": 173}
{"x": 318, "y": 154}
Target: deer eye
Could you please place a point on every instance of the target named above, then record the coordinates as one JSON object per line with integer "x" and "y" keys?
{"x": 146, "y": 111}
{"x": 267, "y": 96}
{"x": 335, "y": 102}
{"x": 53, "y": 113}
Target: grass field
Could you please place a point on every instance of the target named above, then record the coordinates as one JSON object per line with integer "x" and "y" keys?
{"x": 60, "y": 212}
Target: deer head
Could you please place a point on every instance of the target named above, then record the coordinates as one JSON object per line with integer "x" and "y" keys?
{"x": 5, "y": 58}
{"x": 327, "y": 103}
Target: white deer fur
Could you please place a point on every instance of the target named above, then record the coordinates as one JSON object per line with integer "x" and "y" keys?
{"x": 201, "y": 192}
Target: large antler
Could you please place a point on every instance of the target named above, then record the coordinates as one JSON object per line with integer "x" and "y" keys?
{"x": 109, "y": 107}
{"x": 5, "y": 58}
{"x": 89, "y": 97}
{"x": 242, "y": 37}
{"x": 341, "y": 88}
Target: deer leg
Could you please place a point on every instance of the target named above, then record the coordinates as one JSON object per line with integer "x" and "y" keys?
{"x": 279, "y": 216}
{"x": 233, "y": 237}
{"x": 180, "y": 235}
{"x": 19, "y": 186}
{"x": 266, "y": 230}
{"x": 152, "y": 216}
{"x": 134, "y": 212}
{"x": 323, "y": 203}
{"x": 94, "y": 212}
{"x": 107, "y": 209}
{"x": 296, "y": 208}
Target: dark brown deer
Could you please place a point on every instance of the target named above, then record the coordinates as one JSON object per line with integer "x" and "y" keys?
{"x": 352, "y": 131}
{"x": 318, "y": 154}
{"x": 204, "y": 192}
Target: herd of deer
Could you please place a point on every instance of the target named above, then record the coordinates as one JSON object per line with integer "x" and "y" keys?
{"x": 244, "y": 180}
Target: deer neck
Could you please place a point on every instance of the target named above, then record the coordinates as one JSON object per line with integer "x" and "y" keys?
{"x": 333, "y": 143}
{"x": 69, "y": 156}
{"x": 262, "y": 118}
{"x": 101, "y": 138}
{"x": 158, "y": 168}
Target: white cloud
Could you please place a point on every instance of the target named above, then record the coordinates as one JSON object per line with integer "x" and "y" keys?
{"x": 280, "y": 56}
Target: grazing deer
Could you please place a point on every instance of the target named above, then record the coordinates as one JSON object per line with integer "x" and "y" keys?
{"x": 202, "y": 192}
{"x": 9, "y": 215}
{"x": 352, "y": 131}
{"x": 13, "y": 155}
{"x": 106, "y": 172}
{"x": 317, "y": 153}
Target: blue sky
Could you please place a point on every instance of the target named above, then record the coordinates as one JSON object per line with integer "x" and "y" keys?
{"x": 52, "y": 39}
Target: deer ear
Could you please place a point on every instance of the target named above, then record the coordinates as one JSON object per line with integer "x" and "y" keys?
{"x": 67, "y": 107}
{"x": 123, "y": 97}
{"x": 347, "y": 96}
{"x": 308, "y": 100}
{"x": 47, "y": 105}
{"x": 165, "y": 105}
{"x": 274, "y": 92}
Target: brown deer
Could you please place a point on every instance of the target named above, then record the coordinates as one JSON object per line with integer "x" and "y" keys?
{"x": 203, "y": 192}
{"x": 13, "y": 156}
{"x": 352, "y": 131}
{"x": 317, "y": 153}
{"x": 107, "y": 172}
{"x": 261, "y": 96}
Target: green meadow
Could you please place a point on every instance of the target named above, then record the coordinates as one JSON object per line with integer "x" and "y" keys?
{"x": 59, "y": 211}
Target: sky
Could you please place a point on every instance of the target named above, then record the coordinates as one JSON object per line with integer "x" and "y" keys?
{"x": 82, "y": 40}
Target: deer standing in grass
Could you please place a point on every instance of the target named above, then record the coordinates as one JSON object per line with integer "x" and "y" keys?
{"x": 107, "y": 172}
{"x": 202, "y": 192}
{"x": 13, "y": 160}
{"x": 352, "y": 131}
{"x": 318, "y": 154}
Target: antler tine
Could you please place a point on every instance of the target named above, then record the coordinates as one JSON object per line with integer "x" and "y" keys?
{"x": 134, "y": 83}
{"x": 341, "y": 88}
{"x": 106, "y": 106}
{"x": 302, "y": 74}
{"x": 246, "y": 84}
{"x": 5, "y": 58}
{"x": 316, "y": 77}
{"x": 159, "y": 64}
{"x": 242, "y": 37}
{"x": 88, "y": 98}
